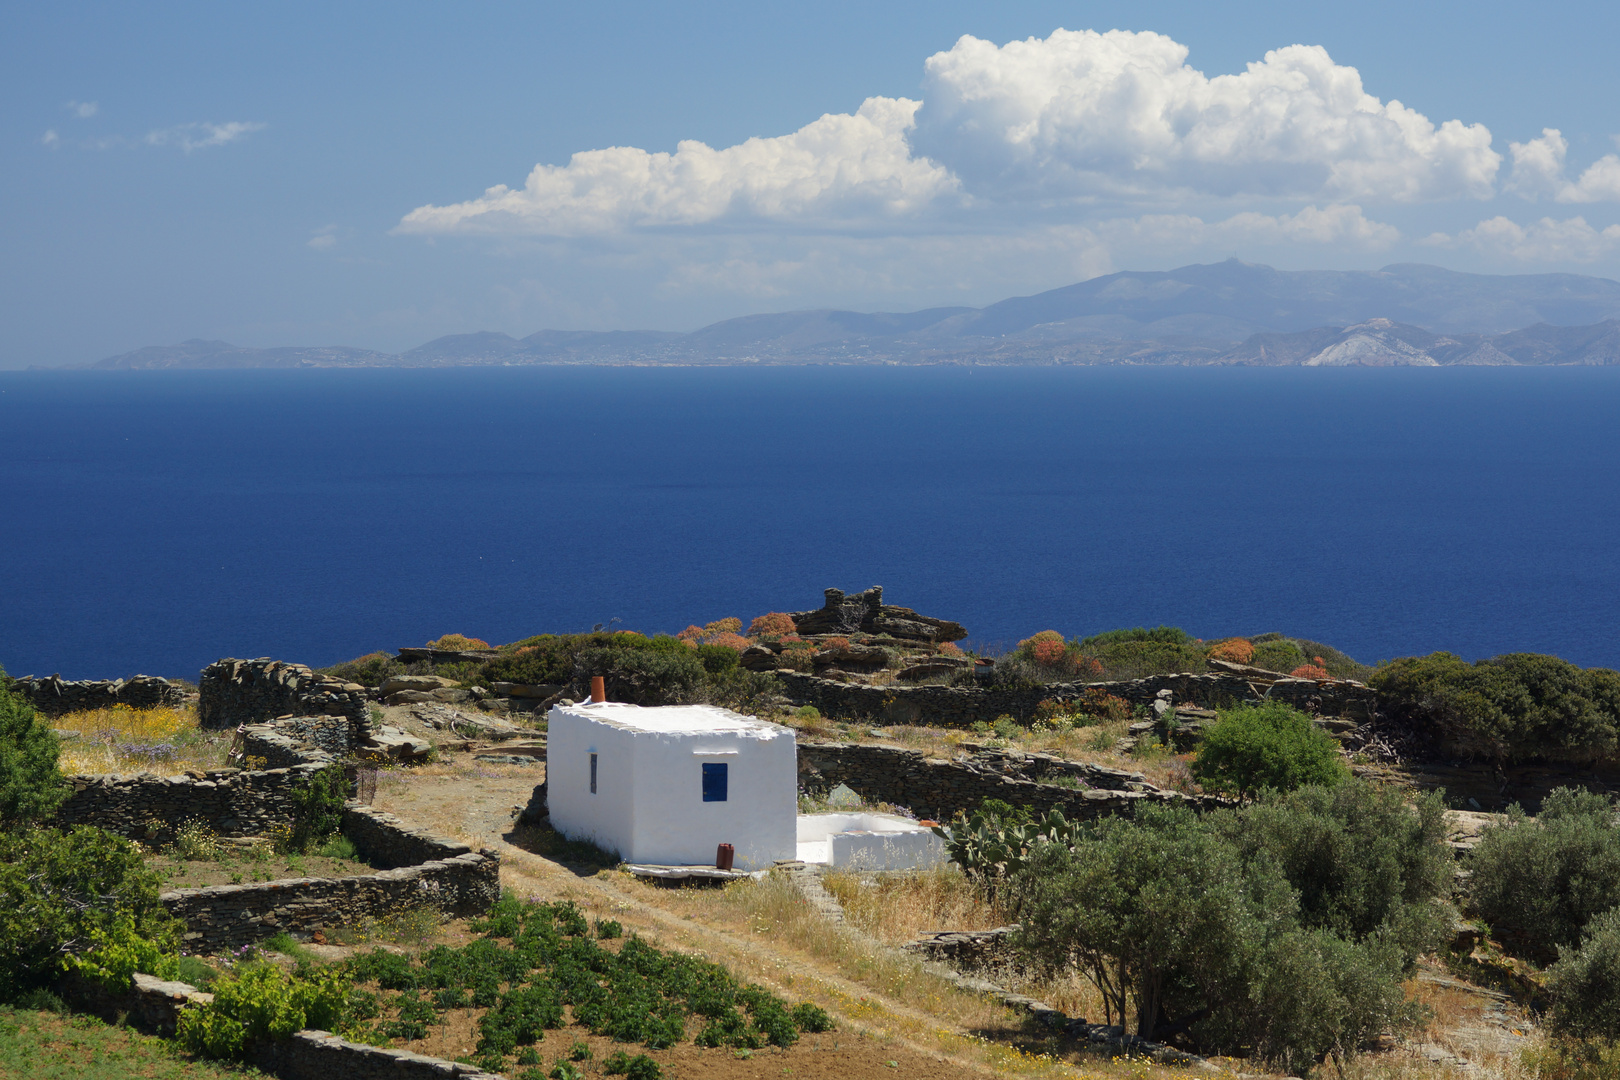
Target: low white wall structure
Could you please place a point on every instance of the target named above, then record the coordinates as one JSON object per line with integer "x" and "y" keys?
{"x": 668, "y": 785}
{"x": 868, "y": 842}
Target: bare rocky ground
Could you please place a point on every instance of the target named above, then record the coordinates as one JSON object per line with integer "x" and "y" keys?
{"x": 1477, "y": 1032}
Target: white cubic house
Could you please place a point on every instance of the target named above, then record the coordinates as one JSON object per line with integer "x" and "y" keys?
{"x": 668, "y": 785}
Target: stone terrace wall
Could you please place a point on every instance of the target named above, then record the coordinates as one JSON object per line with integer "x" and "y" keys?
{"x": 54, "y": 696}
{"x": 232, "y": 692}
{"x": 227, "y": 916}
{"x": 320, "y": 1055}
{"x": 149, "y": 808}
{"x": 932, "y": 788}
{"x": 961, "y": 706}
{"x": 387, "y": 841}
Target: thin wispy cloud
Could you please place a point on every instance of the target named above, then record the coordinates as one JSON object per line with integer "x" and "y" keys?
{"x": 51, "y": 139}
{"x": 199, "y": 136}
{"x": 84, "y": 110}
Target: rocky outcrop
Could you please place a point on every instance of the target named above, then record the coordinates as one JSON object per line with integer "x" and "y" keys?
{"x": 233, "y": 692}
{"x": 866, "y": 613}
{"x": 54, "y": 695}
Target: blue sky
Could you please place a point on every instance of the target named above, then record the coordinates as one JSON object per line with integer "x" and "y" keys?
{"x": 293, "y": 174}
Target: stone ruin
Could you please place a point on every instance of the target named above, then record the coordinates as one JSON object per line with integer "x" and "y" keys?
{"x": 233, "y": 692}
{"x": 866, "y": 613}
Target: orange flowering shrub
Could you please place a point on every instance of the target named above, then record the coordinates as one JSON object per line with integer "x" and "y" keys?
{"x": 772, "y": 624}
{"x": 730, "y": 640}
{"x": 950, "y": 648}
{"x": 1233, "y": 650}
{"x": 1311, "y": 671}
{"x": 732, "y": 625}
{"x": 458, "y": 643}
{"x": 835, "y": 643}
{"x": 691, "y": 635}
{"x": 1104, "y": 706}
{"x": 1048, "y": 653}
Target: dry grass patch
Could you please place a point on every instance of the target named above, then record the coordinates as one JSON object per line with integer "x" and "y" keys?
{"x": 895, "y": 908}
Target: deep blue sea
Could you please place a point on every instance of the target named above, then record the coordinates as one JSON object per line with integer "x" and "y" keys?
{"x": 156, "y": 521}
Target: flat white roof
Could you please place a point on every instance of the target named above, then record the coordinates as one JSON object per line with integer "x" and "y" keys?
{"x": 675, "y": 719}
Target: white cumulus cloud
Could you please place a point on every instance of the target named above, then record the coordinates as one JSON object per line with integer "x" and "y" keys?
{"x": 1538, "y": 169}
{"x": 839, "y": 166}
{"x": 197, "y": 136}
{"x": 1030, "y": 126}
{"x": 1547, "y": 240}
{"x": 1121, "y": 114}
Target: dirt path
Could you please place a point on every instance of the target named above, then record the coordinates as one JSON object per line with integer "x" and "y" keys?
{"x": 474, "y": 802}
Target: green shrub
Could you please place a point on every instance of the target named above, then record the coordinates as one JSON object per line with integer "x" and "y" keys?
{"x": 1270, "y": 745}
{"x": 1168, "y": 913}
{"x": 372, "y": 669}
{"x": 1362, "y": 860}
{"x": 1584, "y": 986}
{"x": 1546, "y": 878}
{"x": 1517, "y": 705}
{"x": 31, "y": 784}
{"x": 1280, "y": 655}
{"x": 717, "y": 659}
{"x": 1163, "y": 635}
{"x": 1572, "y": 1059}
{"x": 259, "y": 1002}
{"x": 317, "y": 809}
{"x": 83, "y": 897}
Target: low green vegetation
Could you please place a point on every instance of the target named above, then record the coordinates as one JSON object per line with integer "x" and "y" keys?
{"x": 44, "y": 1043}
{"x": 659, "y": 670}
{"x": 1508, "y": 707}
{"x": 537, "y": 968}
{"x": 1141, "y": 652}
{"x": 1267, "y": 746}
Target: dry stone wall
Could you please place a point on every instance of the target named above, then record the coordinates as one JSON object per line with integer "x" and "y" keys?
{"x": 150, "y": 808}
{"x": 961, "y": 706}
{"x": 934, "y": 788}
{"x": 233, "y": 692}
{"x": 228, "y": 916}
{"x": 54, "y": 696}
{"x": 295, "y": 740}
{"x": 419, "y": 869}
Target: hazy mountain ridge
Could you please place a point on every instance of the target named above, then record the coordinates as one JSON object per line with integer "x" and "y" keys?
{"x": 1223, "y": 313}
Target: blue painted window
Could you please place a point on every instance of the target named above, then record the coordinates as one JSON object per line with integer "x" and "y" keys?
{"x": 714, "y": 781}
{"x": 593, "y": 774}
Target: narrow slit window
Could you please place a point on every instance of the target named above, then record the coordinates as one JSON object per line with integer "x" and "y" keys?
{"x": 714, "y": 781}
{"x": 593, "y": 774}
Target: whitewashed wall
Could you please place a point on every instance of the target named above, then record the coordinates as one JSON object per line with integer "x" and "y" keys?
{"x": 649, "y": 804}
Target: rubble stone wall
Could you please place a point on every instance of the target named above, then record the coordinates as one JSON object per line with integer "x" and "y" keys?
{"x": 933, "y": 788}
{"x": 54, "y": 696}
{"x": 961, "y": 706}
{"x": 150, "y": 808}
{"x": 228, "y": 916}
{"x": 233, "y": 692}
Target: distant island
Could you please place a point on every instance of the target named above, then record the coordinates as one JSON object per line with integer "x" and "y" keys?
{"x": 1229, "y": 313}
